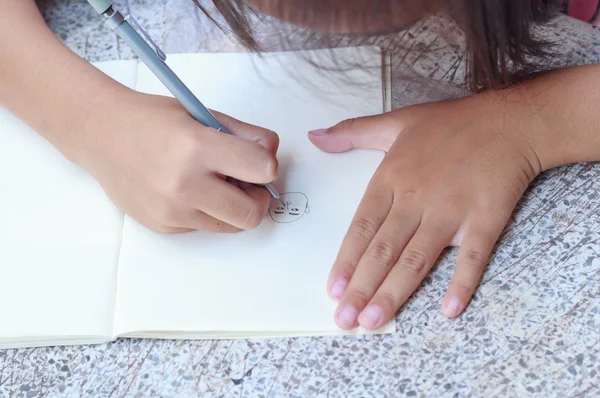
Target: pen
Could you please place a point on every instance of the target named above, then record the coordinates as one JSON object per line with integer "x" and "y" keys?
{"x": 154, "y": 58}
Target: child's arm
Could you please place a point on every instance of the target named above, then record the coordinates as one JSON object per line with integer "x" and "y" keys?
{"x": 43, "y": 82}
{"x": 155, "y": 162}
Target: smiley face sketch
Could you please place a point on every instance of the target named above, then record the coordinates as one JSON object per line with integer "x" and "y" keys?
{"x": 293, "y": 208}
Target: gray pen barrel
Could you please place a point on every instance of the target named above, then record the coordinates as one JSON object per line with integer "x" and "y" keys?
{"x": 167, "y": 77}
{"x": 101, "y": 6}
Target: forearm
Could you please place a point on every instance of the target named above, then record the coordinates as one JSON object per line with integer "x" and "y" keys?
{"x": 44, "y": 83}
{"x": 558, "y": 113}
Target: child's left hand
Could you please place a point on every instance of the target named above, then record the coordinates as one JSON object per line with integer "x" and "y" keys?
{"x": 453, "y": 173}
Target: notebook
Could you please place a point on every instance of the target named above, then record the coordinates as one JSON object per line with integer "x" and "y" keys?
{"x": 75, "y": 270}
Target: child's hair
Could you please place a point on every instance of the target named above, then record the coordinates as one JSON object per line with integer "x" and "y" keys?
{"x": 502, "y": 39}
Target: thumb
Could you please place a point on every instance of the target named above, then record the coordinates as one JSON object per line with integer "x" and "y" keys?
{"x": 370, "y": 132}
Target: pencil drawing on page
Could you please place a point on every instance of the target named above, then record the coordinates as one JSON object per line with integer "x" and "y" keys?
{"x": 292, "y": 207}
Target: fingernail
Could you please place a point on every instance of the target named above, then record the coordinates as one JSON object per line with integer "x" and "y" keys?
{"x": 453, "y": 307}
{"x": 371, "y": 317}
{"x": 318, "y": 132}
{"x": 338, "y": 288}
{"x": 346, "y": 318}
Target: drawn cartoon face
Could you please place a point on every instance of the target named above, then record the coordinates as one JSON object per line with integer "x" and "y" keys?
{"x": 293, "y": 208}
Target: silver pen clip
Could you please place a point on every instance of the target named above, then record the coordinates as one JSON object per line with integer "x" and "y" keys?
{"x": 157, "y": 49}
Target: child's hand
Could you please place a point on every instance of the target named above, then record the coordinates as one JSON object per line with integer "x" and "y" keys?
{"x": 166, "y": 170}
{"x": 452, "y": 176}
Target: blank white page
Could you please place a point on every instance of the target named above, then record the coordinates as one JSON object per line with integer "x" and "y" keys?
{"x": 59, "y": 240}
{"x": 270, "y": 281}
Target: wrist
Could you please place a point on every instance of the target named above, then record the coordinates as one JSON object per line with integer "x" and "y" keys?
{"x": 556, "y": 114}
{"x": 89, "y": 122}
{"x": 529, "y": 113}
{"x": 78, "y": 121}
{"x": 521, "y": 124}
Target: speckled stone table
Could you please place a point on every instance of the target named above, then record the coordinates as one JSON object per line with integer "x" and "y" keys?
{"x": 532, "y": 330}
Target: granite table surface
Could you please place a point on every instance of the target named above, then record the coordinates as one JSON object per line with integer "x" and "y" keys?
{"x": 533, "y": 328}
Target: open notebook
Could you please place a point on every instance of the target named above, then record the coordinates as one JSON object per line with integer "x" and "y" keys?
{"x": 75, "y": 270}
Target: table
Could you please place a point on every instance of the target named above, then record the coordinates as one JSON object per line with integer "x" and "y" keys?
{"x": 533, "y": 328}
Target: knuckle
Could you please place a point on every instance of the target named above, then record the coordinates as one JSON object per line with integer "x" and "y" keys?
{"x": 364, "y": 228}
{"x": 390, "y": 173}
{"x": 453, "y": 199}
{"x": 271, "y": 167}
{"x": 492, "y": 213}
{"x": 462, "y": 287}
{"x": 387, "y": 300}
{"x": 347, "y": 266}
{"x": 475, "y": 259}
{"x": 358, "y": 296}
{"x": 188, "y": 147}
{"x": 272, "y": 138}
{"x": 347, "y": 124}
{"x": 179, "y": 188}
{"x": 252, "y": 216}
{"x": 411, "y": 191}
{"x": 383, "y": 253}
{"x": 413, "y": 260}
{"x": 259, "y": 161}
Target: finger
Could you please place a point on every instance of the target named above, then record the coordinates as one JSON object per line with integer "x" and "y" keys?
{"x": 260, "y": 195}
{"x": 195, "y": 220}
{"x": 407, "y": 274}
{"x": 376, "y": 262}
{"x": 231, "y": 205}
{"x": 160, "y": 227}
{"x": 473, "y": 256}
{"x": 238, "y": 158}
{"x": 369, "y": 216}
{"x": 170, "y": 219}
{"x": 255, "y": 191}
{"x": 163, "y": 229}
{"x": 155, "y": 220}
{"x": 370, "y": 132}
{"x": 266, "y": 138}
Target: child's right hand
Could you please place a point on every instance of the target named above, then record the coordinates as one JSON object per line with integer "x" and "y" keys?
{"x": 167, "y": 171}
{"x": 155, "y": 162}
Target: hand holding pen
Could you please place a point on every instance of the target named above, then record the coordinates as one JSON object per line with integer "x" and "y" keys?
{"x": 151, "y": 54}
{"x": 166, "y": 170}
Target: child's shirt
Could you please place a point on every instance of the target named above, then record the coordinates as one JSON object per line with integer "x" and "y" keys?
{"x": 585, "y": 10}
